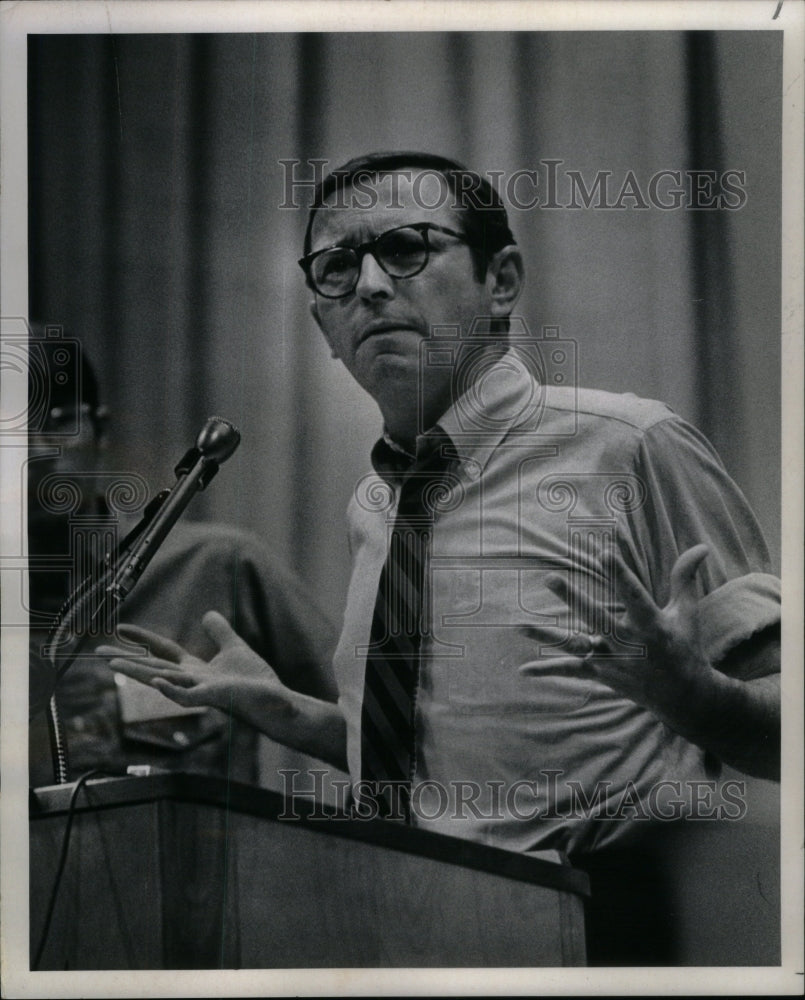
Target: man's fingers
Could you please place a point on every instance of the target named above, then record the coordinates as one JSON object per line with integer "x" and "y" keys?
{"x": 574, "y": 644}
{"x": 110, "y": 651}
{"x": 147, "y": 671}
{"x": 219, "y": 630}
{"x": 184, "y": 696}
{"x": 683, "y": 575}
{"x": 164, "y": 648}
{"x": 559, "y": 641}
{"x": 579, "y": 653}
{"x": 146, "y": 659}
{"x": 546, "y": 635}
{"x": 561, "y": 666}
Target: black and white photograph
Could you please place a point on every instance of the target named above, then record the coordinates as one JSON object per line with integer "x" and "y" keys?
{"x": 401, "y": 449}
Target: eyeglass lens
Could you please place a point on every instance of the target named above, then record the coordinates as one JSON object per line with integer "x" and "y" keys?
{"x": 401, "y": 253}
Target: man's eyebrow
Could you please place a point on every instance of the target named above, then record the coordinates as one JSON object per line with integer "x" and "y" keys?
{"x": 354, "y": 241}
{"x": 346, "y": 241}
{"x": 328, "y": 246}
{"x": 342, "y": 240}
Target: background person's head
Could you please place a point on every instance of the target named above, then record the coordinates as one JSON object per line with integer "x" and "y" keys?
{"x": 66, "y": 435}
{"x": 446, "y": 259}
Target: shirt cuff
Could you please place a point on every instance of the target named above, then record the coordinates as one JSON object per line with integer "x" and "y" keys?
{"x": 738, "y": 609}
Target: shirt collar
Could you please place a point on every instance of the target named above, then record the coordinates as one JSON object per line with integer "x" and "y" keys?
{"x": 475, "y": 424}
{"x": 392, "y": 461}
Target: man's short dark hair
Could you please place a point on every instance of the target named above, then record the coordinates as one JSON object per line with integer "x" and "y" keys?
{"x": 485, "y": 223}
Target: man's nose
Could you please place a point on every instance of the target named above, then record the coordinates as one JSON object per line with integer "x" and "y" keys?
{"x": 373, "y": 282}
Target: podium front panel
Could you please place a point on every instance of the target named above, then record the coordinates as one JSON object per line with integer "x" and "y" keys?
{"x": 186, "y": 872}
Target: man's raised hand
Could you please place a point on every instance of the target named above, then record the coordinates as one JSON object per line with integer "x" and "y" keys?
{"x": 235, "y": 680}
{"x": 189, "y": 680}
{"x": 651, "y": 654}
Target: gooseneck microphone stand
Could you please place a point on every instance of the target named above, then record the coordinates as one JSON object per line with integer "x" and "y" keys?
{"x": 99, "y": 595}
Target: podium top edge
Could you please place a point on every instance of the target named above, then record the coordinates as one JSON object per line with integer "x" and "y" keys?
{"x": 184, "y": 787}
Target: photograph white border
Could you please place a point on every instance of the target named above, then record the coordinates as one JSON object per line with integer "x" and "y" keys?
{"x": 156, "y": 16}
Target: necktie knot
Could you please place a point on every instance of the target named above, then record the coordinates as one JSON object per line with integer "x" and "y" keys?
{"x": 425, "y": 488}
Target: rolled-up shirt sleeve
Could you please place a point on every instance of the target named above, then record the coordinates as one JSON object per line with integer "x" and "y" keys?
{"x": 738, "y": 611}
{"x": 691, "y": 499}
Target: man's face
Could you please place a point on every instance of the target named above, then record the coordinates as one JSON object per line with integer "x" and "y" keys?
{"x": 377, "y": 329}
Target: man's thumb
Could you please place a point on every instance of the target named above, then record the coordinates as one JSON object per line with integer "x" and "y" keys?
{"x": 219, "y": 629}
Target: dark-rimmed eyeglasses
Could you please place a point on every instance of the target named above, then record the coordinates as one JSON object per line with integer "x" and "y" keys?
{"x": 402, "y": 252}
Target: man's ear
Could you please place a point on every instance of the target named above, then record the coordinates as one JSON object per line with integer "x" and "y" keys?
{"x": 314, "y": 312}
{"x": 504, "y": 280}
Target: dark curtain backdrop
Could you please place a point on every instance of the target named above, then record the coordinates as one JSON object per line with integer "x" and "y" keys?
{"x": 156, "y": 237}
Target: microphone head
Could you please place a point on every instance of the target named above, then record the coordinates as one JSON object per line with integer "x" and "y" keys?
{"x": 218, "y": 439}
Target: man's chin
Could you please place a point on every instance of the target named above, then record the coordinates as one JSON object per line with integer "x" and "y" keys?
{"x": 388, "y": 354}
{"x": 392, "y": 365}
{"x": 388, "y": 375}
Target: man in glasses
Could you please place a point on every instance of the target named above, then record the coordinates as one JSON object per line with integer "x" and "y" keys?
{"x": 500, "y": 677}
{"x": 381, "y": 287}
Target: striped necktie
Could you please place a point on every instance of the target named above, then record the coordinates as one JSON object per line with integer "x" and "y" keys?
{"x": 399, "y": 623}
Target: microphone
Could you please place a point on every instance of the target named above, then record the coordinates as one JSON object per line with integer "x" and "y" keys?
{"x": 216, "y": 442}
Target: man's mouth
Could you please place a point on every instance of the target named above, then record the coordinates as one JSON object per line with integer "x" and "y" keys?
{"x": 385, "y": 326}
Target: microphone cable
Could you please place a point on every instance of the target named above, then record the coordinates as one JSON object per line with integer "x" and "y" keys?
{"x": 65, "y": 846}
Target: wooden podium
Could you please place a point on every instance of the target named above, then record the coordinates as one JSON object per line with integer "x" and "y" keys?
{"x": 180, "y": 871}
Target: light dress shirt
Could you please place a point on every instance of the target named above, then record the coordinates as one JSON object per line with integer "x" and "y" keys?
{"x": 542, "y": 475}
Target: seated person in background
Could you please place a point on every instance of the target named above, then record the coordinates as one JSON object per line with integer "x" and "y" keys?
{"x": 109, "y": 720}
